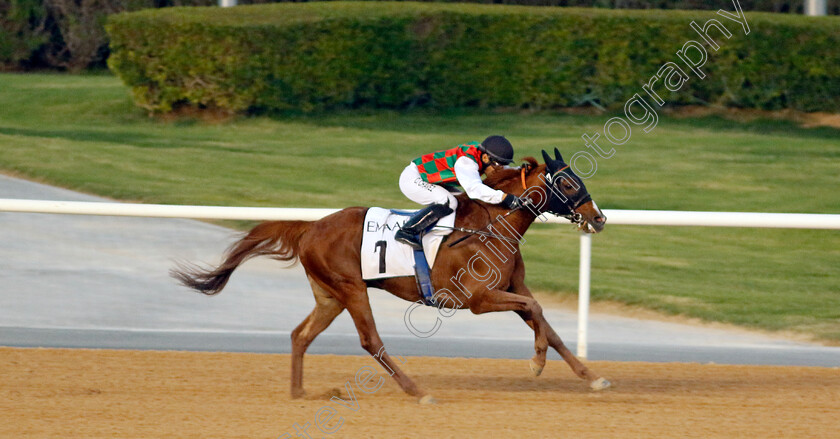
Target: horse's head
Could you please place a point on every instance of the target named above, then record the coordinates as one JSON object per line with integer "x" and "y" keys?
{"x": 557, "y": 190}
{"x": 551, "y": 188}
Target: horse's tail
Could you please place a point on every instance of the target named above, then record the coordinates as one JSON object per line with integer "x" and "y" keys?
{"x": 278, "y": 239}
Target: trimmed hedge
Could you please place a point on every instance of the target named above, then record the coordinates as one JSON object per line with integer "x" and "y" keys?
{"x": 69, "y": 34}
{"x": 314, "y": 56}
{"x": 782, "y": 6}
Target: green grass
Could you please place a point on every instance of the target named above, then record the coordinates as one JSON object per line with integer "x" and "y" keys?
{"x": 82, "y": 132}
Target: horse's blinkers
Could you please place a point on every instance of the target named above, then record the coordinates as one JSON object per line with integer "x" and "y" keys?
{"x": 559, "y": 204}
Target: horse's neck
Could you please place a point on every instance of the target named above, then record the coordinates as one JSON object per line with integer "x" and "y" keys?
{"x": 473, "y": 215}
{"x": 516, "y": 223}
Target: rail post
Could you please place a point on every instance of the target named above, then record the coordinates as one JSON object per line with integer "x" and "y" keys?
{"x": 583, "y": 293}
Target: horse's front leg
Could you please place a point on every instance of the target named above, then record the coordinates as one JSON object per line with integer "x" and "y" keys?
{"x": 596, "y": 382}
{"x": 517, "y": 286}
{"x": 527, "y": 307}
{"x": 537, "y": 363}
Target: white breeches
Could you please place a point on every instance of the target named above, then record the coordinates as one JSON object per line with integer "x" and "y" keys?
{"x": 416, "y": 189}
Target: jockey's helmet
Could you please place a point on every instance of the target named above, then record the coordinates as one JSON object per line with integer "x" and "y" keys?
{"x": 498, "y": 148}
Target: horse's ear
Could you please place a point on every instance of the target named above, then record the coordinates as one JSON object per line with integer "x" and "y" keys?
{"x": 557, "y": 155}
{"x": 546, "y": 157}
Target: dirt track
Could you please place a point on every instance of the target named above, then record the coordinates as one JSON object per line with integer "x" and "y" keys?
{"x": 143, "y": 394}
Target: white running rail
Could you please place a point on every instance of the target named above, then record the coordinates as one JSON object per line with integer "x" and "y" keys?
{"x": 162, "y": 210}
{"x": 614, "y": 217}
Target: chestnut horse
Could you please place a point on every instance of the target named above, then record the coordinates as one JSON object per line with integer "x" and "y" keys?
{"x": 329, "y": 251}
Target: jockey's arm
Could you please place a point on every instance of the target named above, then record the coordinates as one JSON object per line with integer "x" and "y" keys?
{"x": 466, "y": 171}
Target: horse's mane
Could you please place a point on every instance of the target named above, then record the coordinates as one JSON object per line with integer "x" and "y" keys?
{"x": 505, "y": 174}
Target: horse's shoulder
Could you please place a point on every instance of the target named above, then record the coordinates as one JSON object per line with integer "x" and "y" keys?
{"x": 472, "y": 213}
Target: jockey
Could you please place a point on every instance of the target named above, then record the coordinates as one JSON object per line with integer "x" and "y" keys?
{"x": 422, "y": 181}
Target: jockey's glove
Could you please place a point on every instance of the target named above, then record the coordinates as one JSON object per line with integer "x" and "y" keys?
{"x": 511, "y": 201}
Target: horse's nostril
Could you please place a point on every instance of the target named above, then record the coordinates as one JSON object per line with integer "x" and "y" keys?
{"x": 600, "y": 219}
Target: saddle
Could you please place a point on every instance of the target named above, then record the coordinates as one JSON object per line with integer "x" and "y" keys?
{"x": 384, "y": 257}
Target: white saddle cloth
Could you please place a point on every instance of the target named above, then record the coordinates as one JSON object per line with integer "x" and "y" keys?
{"x": 384, "y": 257}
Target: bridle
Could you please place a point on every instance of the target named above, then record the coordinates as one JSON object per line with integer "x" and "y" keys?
{"x": 572, "y": 204}
{"x": 573, "y": 217}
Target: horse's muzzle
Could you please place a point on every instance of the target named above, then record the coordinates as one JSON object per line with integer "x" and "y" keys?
{"x": 593, "y": 219}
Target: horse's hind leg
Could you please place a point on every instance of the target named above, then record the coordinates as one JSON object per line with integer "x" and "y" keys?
{"x": 327, "y": 308}
{"x": 358, "y": 306}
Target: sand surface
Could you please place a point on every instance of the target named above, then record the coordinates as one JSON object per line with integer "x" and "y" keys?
{"x": 76, "y": 393}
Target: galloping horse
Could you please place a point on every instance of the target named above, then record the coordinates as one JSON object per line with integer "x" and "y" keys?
{"x": 329, "y": 250}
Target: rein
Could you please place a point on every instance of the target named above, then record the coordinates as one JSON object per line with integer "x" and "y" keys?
{"x": 482, "y": 232}
{"x": 477, "y": 232}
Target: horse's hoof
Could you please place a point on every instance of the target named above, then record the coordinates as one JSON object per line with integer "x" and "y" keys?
{"x": 335, "y": 392}
{"x": 600, "y": 384}
{"x": 535, "y": 368}
{"x": 298, "y": 394}
{"x": 427, "y": 400}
